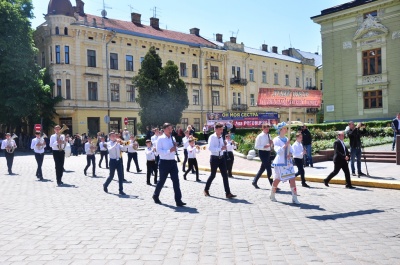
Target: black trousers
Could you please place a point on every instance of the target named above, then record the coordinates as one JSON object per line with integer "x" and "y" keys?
{"x": 10, "y": 160}
{"x": 169, "y": 167}
{"x": 215, "y": 163}
{"x": 59, "y": 156}
{"x": 229, "y": 163}
{"x": 300, "y": 169}
{"x": 341, "y": 165}
{"x": 116, "y": 165}
{"x": 134, "y": 157}
{"x": 185, "y": 159}
{"x": 103, "y": 154}
{"x": 39, "y": 161}
{"x": 91, "y": 159}
{"x": 192, "y": 166}
{"x": 151, "y": 167}
{"x": 265, "y": 157}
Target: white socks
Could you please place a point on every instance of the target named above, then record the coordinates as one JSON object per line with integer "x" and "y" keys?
{"x": 294, "y": 196}
{"x": 272, "y": 194}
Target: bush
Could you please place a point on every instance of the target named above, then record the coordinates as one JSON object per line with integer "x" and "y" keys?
{"x": 141, "y": 142}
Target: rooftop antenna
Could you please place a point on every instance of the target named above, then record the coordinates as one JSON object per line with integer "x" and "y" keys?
{"x": 131, "y": 7}
{"x": 290, "y": 41}
{"x": 154, "y": 11}
{"x": 103, "y": 11}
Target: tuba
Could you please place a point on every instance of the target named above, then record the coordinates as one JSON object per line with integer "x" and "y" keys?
{"x": 63, "y": 129}
{"x": 10, "y": 147}
{"x": 41, "y": 141}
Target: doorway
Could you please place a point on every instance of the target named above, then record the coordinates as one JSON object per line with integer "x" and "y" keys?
{"x": 93, "y": 125}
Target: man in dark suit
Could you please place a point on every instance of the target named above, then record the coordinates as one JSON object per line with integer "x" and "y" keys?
{"x": 340, "y": 159}
{"x": 396, "y": 129}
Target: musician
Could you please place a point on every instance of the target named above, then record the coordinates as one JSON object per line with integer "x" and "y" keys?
{"x": 38, "y": 145}
{"x": 103, "y": 151}
{"x": 154, "y": 139}
{"x": 185, "y": 141}
{"x": 298, "y": 151}
{"x": 218, "y": 160}
{"x": 90, "y": 151}
{"x": 57, "y": 143}
{"x": 9, "y": 145}
{"x": 114, "y": 149}
{"x": 166, "y": 148}
{"x": 150, "y": 152}
{"x": 126, "y": 135}
{"x": 192, "y": 150}
{"x": 205, "y": 132}
{"x": 354, "y": 133}
{"x": 230, "y": 146}
{"x": 340, "y": 159}
{"x": 132, "y": 154}
{"x": 263, "y": 144}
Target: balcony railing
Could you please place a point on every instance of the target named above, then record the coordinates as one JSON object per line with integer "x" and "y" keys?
{"x": 312, "y": 110}
{"x": 238, "y": 81}
{"x": 239, "y": 107}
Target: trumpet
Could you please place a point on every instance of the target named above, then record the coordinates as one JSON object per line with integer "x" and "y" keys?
{"x": 11, "y": 147}
{"x": 64, "y": 128}
{"x": 41, "y": 144}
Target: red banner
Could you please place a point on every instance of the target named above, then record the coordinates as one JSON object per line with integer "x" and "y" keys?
{"x": 288, "y": 97}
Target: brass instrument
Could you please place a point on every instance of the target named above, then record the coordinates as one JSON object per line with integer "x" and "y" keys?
{"x": 40, "y": 145}
{"x": 93, "y": 144}
{"x": 11, "y": 148}
{"x": 60, "y": 146}
{"x": 197, "y": 147}
{"x": 204, "y": 147}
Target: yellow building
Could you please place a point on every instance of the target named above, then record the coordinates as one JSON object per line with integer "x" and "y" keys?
{"x": 360, "y": 45}
{"x": 92, "y": 60}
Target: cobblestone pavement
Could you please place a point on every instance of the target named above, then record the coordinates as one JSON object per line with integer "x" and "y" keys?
{"x": 80, "y": 224}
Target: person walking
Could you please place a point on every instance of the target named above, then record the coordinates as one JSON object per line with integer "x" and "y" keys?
{"x": 298, "y": 151}
{"x": 307, "y": 144}
{"x": 396, "y": 129}
{"x": 354, "y": 133}
{"x": 38, "y": 145}
{"x": 264, "y": 144}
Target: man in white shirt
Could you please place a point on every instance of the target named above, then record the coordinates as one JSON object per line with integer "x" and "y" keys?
{"x": 154, "y": 139}
{"x": 9, "y": 145}
{"x": 298, "y": 152}
{"x": 185, "y": 141}
{"x": 150, "y": 152}
{"x": 38, "y": 146}
{"x": 57, "y": 143}
{"x": 230, "y": 146}
{"x": 263, "y": 144}
{"x": 90, "y": 156}
{"x": 166, "y": 148}
{"x": 103, "y": 151}
{"x": 217, "y": 148}
{"x": 132, "y": 154}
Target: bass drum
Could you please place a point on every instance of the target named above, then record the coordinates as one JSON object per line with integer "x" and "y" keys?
{"x": 67, "y": 150}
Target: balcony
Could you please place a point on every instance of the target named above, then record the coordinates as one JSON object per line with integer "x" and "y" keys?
{"x": 241, "y": 107}
{"x": 312, "y": 110}
{"x": 238, "y": 81}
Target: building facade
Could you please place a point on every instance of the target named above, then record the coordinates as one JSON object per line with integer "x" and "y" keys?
{"x": 360, "y": 45}
{"x": 92, "y": 60}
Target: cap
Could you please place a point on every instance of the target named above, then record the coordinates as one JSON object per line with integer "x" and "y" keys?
{"x": 148, "y": 141}
{"x": 37, "y": 132}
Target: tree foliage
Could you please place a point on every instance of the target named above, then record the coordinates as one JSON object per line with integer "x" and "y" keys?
{"x": 162, "y": 94}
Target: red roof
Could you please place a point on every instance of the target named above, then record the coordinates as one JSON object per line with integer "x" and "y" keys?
{"x": 128, "y": 27}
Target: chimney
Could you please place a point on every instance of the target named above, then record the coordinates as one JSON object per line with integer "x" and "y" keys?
{"x": 80, "y": 7}
{"x": 136, "y": 18}
{"x": 233, "y": 39}
{"x": 195, "y": 31}
{"x": 264, "y": 47}
{"x": 285, "y": 52}
{"x": 218, "y": 36}
{"x": 155, "y": 22}
{"x": 274, "y": 49}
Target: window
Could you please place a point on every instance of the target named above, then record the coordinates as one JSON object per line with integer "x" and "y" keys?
{"x": 58, "y": 54}
{"x": 234, "y": 98}
{"x": 236, "y": 72}
{"x": 372, "y": 62}
{"x": 195, "y": 71}
{"x": 43, "y": 60}
{"x": 310, "y": 80}
{"x": 214, "y": 72}
{"x": 183, "y": 69}
{"x": 129, "y": 63}
{"x": 59, "y": 94}
{"x": 251, "y": 75}
{"x": 66, "y": 51}
{"x": 276, "y": 81}
{"x": 196, "y": 97}
{"x": 239, "y": 98}
{"x": 215, "y": 98}
{"x": 252, "y": 100}
{"x": 196, "y": 124}
{"x": 297, "y": 81}
{"x": 286, "y": 80}
{"x": 130, "y": 93}
{"x": 114, "y": 61}
{"x": 114, "y": 92}
{"x": 321, "y": 84}
{"x": 68, "y": 89}
{"x": 264, "y": 76}
{"x": 57, "y": 31}
{"x": 92, "y": 91}
{"x": 307, "y": 83}
{"x": 373, "y": 99}
{"x": 91, "y": 58}
{"x": 51, "y": 54}
{"x": 65, "y": 31}
{"x": 184, "y": 122}
{"x": 141, "y": 60}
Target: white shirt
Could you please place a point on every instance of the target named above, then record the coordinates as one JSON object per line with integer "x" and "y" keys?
{"x": 297, "y": 150}
{"x": 114, "y": 150}
{"x": 205, "y": 129}
{"x": 280, "y": 158}
{"x": 230, "y": 146}
{"x": 185, "y": 141}
{"x": 215, "y": 144}
{"x": 87, "y": 149}
{"x": 164, "y": 144}
{"x": 102, "y": 147}
{"x": 130, "y": 146}
{"x": 5, "y": 143}
{"x": 53, "y": 141}
{"x": 192, "y": 150}
{"x": 154, "y": 139}
{"x": 262, "y": 140}
{"x": 35, "y": 148}
{"x": 150, "y": 154}
{"x": 126, "y": 135}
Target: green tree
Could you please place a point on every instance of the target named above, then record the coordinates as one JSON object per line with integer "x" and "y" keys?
{"x": 162, "y": 94}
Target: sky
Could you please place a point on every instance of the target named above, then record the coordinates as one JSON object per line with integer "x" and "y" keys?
{"x": 281, "y": 23}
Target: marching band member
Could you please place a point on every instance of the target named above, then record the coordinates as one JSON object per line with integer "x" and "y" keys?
{"x": 90, "y": 151}
{"x": 230, "y": 146}
{"x": 9, "y": 145}
{"x": 38, "y": 145}
{"x": 263, "y": 144}
{"x": 132, "y": 154}
{"x": 57, "y": 143}
{"x": 298, "y": 151}
{"x": 154, "y": 139}
{"x": 103, "y": 151}
{"x": 185, "y": 141}
{"x": 192, "y": 150}
{"x": 151, "y": 161}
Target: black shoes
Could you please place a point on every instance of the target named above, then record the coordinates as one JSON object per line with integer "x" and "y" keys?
{"x": 230, "y": 196}
{"x": 230, "y": 177}
{"x": 99, "y": 166}
{"x": 105, "y": 188}
{"x": 180, "y": 204}
{"x": 206, "y": 193}
{"x": 139, "y": 171}
{"x": 148, "y": 183}
{"x": 353, "y": 174}
{"x": 84, "y": 172}
{"x": 184, "y": 177}
{"x": 361, "y": 174}
{"x": 255, "y": 185}
{"x": 305, "y": 185}
{"x": 198, "y": 180}
{"x": 122, "y": 193}
{"x": 350, "y": 187}
{"x": 156, "y": 199}
{"x": 326, "y": 182}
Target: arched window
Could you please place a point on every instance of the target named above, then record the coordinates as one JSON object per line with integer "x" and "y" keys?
{"x": 65, "y": 31}
{"x": 57, "y": 31}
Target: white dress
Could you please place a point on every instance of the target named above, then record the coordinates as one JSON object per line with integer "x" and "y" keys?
{"x": 280, "y": 162}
